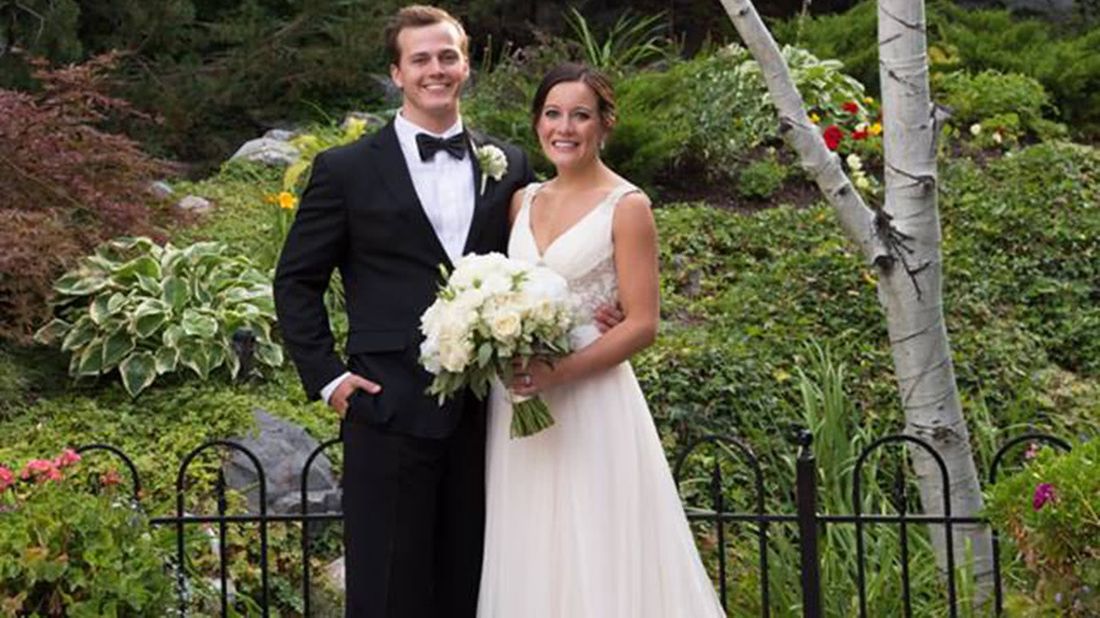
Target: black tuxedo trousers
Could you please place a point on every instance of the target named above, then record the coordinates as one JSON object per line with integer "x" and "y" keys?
{"x": 414, "y": 471}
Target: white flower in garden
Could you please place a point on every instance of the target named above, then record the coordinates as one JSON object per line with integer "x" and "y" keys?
{"x": 975, "y": 129}
{"x": 997, "y": 137}
{"x": 854, "y": 162}
{"x": 863, "y": 182}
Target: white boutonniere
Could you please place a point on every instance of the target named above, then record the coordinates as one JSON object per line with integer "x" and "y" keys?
{"x": 492, "y": 162}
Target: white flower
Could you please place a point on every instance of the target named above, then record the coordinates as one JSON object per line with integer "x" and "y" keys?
{"x": 863, "y": 182}
{"x": 975, "y": 129}
{"x": 854, "y": 162}
{"x": 505, "y": 325}
{"x": 492, "y": 161}
{"x": 997, "y": 137}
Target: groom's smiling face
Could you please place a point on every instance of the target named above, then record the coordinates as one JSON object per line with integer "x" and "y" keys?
{"x": 430, "y": 73}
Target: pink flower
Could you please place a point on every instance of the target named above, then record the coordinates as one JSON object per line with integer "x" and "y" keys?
{"x": 851, "y": 107}
{"x": 1044, "y": 493}
{"x": 1032, "y": 451}
{"x": 7, "y": 479}
{"x": 40, "y": 470}
{"x": 67, "y": 458}
{"x": 833, "y": 134}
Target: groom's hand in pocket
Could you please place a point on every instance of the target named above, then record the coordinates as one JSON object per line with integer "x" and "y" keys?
{"x": 343, "y": 392}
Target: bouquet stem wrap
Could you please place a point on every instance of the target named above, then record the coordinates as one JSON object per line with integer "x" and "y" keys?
{"x": 529, "y": 415}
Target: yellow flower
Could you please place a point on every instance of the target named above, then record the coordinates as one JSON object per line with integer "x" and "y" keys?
{"x": 287, "y": 201}
{"x": 868, "y": 100}
{"x": 814, "y": 118}
{"x": 875, "y": 129}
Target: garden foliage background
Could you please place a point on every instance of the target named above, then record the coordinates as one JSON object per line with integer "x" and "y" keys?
{"x": 765, "y": 305}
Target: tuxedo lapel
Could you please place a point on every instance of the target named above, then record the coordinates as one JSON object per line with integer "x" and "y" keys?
{"x": 481, "y": 201}
{"x": 394, "y": 172}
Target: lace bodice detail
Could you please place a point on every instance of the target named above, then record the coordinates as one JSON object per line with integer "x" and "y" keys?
{"x": 584, "y": 254}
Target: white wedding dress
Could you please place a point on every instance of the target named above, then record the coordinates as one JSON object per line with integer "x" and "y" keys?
{"x": 583, "y": 518}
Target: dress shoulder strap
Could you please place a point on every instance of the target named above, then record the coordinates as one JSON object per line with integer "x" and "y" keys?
{"x": 618, "y": 193}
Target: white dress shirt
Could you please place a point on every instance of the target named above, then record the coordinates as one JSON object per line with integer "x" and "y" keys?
{"x": 445, "y": 187}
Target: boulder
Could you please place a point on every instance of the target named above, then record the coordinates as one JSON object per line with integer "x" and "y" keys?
{"x": 267, "y": 151}
{"x": 195, "y": 204}
{"x": 282, "y": 448}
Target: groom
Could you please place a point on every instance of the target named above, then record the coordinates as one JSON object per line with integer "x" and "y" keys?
{"x": 386, "y": 211}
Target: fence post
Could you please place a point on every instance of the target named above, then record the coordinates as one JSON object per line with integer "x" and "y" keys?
{"x": 806, "y": 499}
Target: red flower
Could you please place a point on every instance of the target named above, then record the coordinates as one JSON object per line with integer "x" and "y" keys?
{"x": 851, "y": 107}
{"x": 859, "y": 135}
{"x": 7, "y": 479}
{"x": 833, "y": 134}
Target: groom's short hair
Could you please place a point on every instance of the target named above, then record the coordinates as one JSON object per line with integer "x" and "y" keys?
{"x": 417, "y": 16}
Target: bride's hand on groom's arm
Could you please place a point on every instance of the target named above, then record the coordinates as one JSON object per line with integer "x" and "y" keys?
{"x": 346, "y": 388}
{"x": 608, "y": 316}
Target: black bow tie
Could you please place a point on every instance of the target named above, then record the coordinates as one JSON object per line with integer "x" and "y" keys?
{"x": 455, "y": 145}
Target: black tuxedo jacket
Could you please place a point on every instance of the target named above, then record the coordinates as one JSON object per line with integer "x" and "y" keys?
{"x": 360, "y": 213}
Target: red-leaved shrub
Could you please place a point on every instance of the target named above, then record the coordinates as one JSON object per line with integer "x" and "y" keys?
{"x": 67, "y": 184}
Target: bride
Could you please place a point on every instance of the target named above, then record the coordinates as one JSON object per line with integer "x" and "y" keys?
{"x": 583, "y": 518}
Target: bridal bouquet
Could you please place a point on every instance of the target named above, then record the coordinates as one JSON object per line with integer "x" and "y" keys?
{"x": 492, "y": 311}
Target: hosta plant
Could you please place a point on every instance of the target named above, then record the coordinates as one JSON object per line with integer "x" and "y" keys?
{"x": 148, "y": 310}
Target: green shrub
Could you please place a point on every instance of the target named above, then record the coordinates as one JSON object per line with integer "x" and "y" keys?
{"x": 761, "y": 179}
{"x": 991, "y": 94}
{"x": 1063, "y": 61}
{"x": 79, "y": 553}
{"x": 149, "y": 310}
{"x": 1051, "y": 512}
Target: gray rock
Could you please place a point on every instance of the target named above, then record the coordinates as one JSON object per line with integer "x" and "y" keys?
{"x": 267, "y": 151}
{"x": 282, "y": 448}
{"x": 161, "y": 189}
{"x": 280, "y": 135}
{"x": 194, "y": 203}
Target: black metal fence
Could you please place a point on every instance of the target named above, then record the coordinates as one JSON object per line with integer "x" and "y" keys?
{"x": 809, "y": 522}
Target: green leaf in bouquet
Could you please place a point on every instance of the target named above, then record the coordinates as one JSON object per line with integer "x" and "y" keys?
{"x": 485, "y": 354}
{"x": 52, "y": 331}
{"x": 138, "y": 372}
{"x": 166, "y": 360}
{"x": 197, "y": 324}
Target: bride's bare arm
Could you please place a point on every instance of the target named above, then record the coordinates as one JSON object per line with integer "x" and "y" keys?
{"x": 635, "y": 235}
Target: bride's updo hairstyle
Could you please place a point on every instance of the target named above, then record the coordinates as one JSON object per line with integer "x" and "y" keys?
{"x": 575, "y": 72}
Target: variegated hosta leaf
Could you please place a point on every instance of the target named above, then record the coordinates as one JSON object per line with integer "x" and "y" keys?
{"x": 175, "y": 293}
{"x": 78, "y": 284}
{"x": 99, "y": 309}
{"x": 196, "y": 324}
{"x": 81, "y": 333}
{"x": 91, "y": 359}
{"x": 232, "y": 362}
{"x": 167, "y": 359}
{"x": 138, "y": 372}
{"x": 149, "y": 285}
{"x": 52, "y": 331}
{"x": 268, "y": 353}
{"x": 173, "y": 335}
{"x": 115, "y": 348}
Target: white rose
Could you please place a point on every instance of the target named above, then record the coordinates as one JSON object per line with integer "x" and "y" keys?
{"x": 505, "y": 325}
{"x": 854, "y": 162}
{"x": 975, "y": 129}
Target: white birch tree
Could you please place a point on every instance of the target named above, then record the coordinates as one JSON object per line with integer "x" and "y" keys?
{"x": 901, "y": 240}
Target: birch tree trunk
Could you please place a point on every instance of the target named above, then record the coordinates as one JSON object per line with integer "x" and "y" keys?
{"x": 902, "y": 241}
